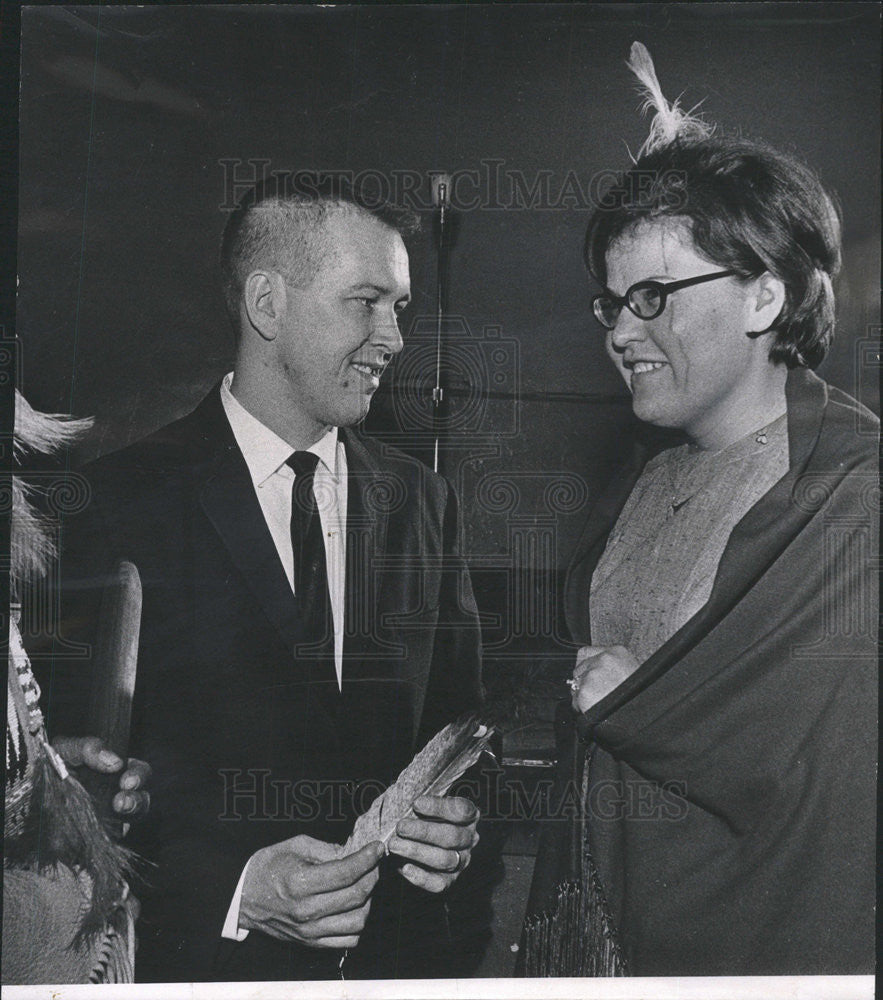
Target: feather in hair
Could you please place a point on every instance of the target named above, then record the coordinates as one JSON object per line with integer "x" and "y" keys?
{"x": 432, "y": 772}
{"x": 669, "y": 121}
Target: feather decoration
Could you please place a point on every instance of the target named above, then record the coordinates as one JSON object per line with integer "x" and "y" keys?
{"x": 32, "y": 535}
{"x": 669, "y": 121}
{"x": 432, "y": 772}
{"x": 32, "y": 545}
{"x": 44, "y": 432}
{"x": 63, "y": 828}
{"x": 54, "y": 821}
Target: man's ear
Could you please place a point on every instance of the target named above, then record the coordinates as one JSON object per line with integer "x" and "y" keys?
{"x": 765, "y": 303}
{"x": 264, "y": 299}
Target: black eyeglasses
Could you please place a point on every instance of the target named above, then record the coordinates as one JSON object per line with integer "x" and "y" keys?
{"x": 645, "y": 299}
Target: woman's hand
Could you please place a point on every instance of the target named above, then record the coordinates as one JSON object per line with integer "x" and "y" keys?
{"x": 598, "y": 670}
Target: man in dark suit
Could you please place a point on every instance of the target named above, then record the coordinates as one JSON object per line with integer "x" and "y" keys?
{"x": 307, "y": 621}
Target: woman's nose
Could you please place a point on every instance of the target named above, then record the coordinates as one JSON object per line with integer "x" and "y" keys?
{"x": 628, "y": 328}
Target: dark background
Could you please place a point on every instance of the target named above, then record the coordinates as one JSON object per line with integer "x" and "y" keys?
{"x": 127, "y": 114}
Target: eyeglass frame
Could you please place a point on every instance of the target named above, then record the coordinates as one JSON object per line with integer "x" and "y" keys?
{"x": 665, "y": 288}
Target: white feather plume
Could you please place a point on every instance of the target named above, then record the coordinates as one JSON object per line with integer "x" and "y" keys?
{"x": 669, "y": 121}
{"x": 44, "y": 432}
{"x": 32, "y": 541}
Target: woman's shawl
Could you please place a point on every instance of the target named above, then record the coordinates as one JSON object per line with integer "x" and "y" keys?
{"x": 732, "y": 783}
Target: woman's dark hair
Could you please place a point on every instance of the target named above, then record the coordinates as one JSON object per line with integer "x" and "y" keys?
{"x": 750, "y": 208}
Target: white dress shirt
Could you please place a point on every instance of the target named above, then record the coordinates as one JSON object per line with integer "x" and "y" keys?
{"x": 266, "y": 454}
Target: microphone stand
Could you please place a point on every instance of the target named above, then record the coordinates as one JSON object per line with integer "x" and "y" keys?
{"x": 441, "y": 199}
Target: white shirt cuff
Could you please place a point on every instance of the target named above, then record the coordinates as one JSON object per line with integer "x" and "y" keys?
{"x": 232, "y": 929}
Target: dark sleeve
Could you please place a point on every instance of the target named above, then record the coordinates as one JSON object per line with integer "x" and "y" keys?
{"x": 455, "y": 676}
{"x": 455, "y": 687}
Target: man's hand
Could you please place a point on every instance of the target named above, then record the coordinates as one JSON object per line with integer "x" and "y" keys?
{"x": 440, "y": 841}
{"x": 133, "y": 798}
{"x": 598, "y": 670}
{"x": 302, "y": 890}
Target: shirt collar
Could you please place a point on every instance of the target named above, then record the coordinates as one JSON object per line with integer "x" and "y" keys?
{"x": 263, "y": 450}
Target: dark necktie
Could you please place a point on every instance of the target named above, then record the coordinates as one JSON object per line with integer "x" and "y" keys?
{"x": 308, "y": 546}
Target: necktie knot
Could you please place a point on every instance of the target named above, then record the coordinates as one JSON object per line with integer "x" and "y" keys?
{"x": 302, "y": 462}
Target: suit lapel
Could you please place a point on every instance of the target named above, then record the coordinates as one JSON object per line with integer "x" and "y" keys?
{"x": 227, "y": 496}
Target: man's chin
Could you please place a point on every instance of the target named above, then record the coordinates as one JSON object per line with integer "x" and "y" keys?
{"x": 351, "y": 415}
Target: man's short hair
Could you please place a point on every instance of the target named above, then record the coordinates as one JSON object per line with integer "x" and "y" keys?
{"x": 278, "y": 224}
{"x": 750, "y": 208}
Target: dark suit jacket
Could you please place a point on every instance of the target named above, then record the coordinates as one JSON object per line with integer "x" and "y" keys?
{"x": 250, "y": 739}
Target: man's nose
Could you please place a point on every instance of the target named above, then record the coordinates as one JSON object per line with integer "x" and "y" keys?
{"x": 386, "y": 333}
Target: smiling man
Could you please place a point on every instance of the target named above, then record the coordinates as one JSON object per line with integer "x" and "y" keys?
{"x": 315, "y": 290}
{"x": 307, "y": 620}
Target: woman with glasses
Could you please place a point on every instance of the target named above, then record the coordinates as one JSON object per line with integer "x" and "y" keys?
{"x": 722, "y": 728}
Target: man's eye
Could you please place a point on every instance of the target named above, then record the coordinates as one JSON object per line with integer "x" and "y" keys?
{"x": 366, "y": 300}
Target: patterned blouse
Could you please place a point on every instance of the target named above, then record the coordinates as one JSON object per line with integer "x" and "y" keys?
{"x": 662, "y": 556}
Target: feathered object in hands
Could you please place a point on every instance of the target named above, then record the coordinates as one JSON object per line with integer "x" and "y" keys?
{"x": 669, "y": 121}
{"x": 439, "y": 764}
